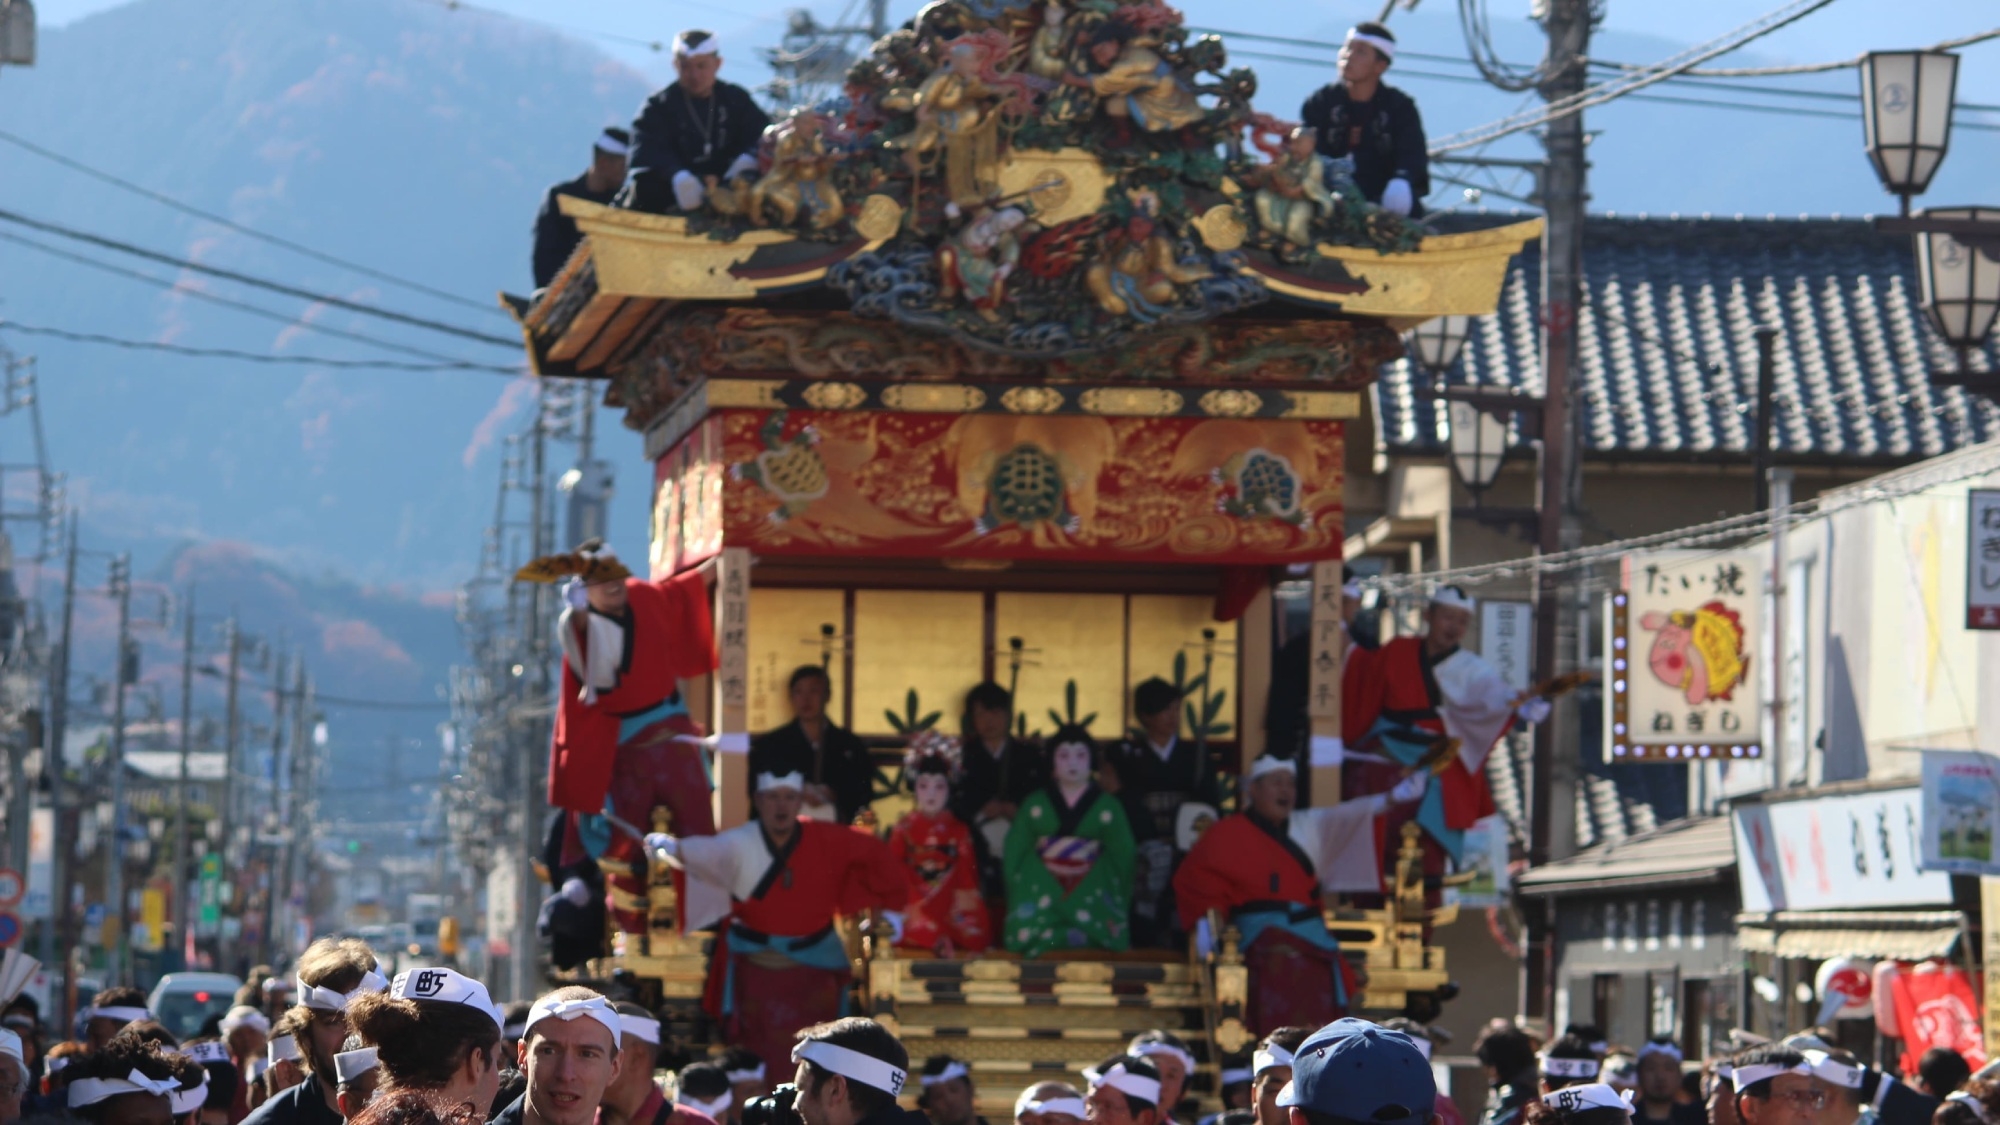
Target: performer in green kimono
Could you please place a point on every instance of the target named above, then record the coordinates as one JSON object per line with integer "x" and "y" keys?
{"x": 1069, "y": 859}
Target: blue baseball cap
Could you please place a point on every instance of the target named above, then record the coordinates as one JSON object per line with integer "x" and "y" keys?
{"x": 1359, "y": 1071}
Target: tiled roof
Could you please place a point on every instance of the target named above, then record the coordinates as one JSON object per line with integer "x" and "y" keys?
{"x": 1614, "y": 802}
{"x": 1698, "y": 849}
{"x": 1668, "y": 359}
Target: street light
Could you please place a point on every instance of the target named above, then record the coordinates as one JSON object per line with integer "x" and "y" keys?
{"x": 17, "y": 33}
{"x": 1437, "y": 341}
{"x": 1961, "y": 285}
{"x": 1906, "y": 101}
{"x": 1478, "y": 445}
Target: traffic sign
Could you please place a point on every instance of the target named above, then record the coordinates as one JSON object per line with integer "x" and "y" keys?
{"x": 10, "y": 929}
{"x": 12, "y": 887}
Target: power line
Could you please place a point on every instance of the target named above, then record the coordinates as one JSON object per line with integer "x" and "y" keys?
{"x": 209, "y": 216}
{"x": 1806, "y": 68}
{"x": 261, "y": 283}
{"x": 248, "y": 357}
{"x": 241, "y": 306}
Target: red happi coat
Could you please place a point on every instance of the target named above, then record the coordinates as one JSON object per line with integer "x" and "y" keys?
{"x": 673, "y": 638}
{"x": 943, "y": 874}
{"x": 1394, "y": 681}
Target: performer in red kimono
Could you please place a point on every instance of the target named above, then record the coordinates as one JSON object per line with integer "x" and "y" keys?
{"x": 947, "y": 913}
{"x": 1264, "y": 869}
{"x": 1401, "y": 699}
{"x": 624, "y": 742}
{"x": 778, "y": 963}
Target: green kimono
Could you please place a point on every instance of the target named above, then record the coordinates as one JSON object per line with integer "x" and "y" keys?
{"x": 1069, "y": 874}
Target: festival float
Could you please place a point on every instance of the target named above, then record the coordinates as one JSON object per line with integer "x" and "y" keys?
{"x": 1027, "y": 360}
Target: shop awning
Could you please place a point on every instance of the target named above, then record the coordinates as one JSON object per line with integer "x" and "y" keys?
{"x": 1820, "y": 934}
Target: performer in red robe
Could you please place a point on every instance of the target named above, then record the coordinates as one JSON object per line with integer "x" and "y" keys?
{"x": 1264, "y": 870}
{"x": 624, "y": 742}
{"x": 947, "y": 913}
{"x": 1399, "y": 700}
{"x": 778, "y": 963}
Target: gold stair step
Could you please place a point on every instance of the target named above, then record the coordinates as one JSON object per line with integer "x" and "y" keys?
{"x": 1019, "y": 1018}
{"x": 994, "y": 970}
{"x": 913, "y": 998}
{"x": 911, "y": 1032}
{"x": 1076, "y": 1053}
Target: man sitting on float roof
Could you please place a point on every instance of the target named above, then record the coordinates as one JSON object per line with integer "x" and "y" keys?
{"x": 698, "y": 128}
{"x": 1376, "y": 124}
{"x": 1264, "y": 869}
{"x": 787, "y": 878}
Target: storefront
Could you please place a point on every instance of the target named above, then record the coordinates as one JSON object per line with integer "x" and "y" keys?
{"x": 1642, "y": 932}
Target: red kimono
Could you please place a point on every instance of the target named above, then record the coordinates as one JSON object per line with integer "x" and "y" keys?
{"x": 943, "y": 873}
{"x": 778, "y": 964}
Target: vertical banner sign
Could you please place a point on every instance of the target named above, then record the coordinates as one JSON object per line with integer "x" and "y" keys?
{"x": 1961, "y": 811}
{"x": 732, "y": 687}
{"x": 1685, "y": 633}
{"x": 41, "y": 865}
{"x": 1982, "y": 560}
{"x": 209, "y": 898}
{"x": 1989, "y": 958}
{"x": 1329, "y": 656}
{"x": 1507, "y": 640}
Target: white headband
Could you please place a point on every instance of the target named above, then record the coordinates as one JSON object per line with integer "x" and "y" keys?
{"x": 1236, "y": 1075}
{"x": 754, "y": 1074}
{"x": 1384, "y": 45}
{"x": 280, "y": 1049}
{"x": 1268, "y": 764}
{"x": 1969, "y": 1102}
{"x": 124, "y": 1015}
{"x": 1569, "y": 1068}
{"x": 1576, "y": 1099}
{"x": 327, "y": 1000}
{"x": 708, "y": 46}
{"x": 715, "y": 1109}
{"x": 1074, "y": 1107}
{"x": 865, "y": 1069}
{"x": 54, "y": 1065}
{"x": 1125, "y": 1082}
{"x": 350, "y": 1065}
{"x": 596, "y": 1008}
{"x": 445, "y": 986}
{"x": 90, "y": 1091}
{"x": 10, "y": 1044}
{"x": 643, "y": 1028}
{"x": 792, "y": 780}
{"x": 952, "y": 1071}
{"x": 606, "y": 143}
{"x": 1753, "y": 1073}
{"x": 1269, "y": 1058}
{"x": 245, "y": 1016}
{"x": 187, "y": 1101}
{"x": 1454, "y": 597}
{"x": 1651, "y": 1048}
{"x": 1829, "y": 1069}
{"x": 1149, "y": 1050}
{"x": 210, "y": 1052}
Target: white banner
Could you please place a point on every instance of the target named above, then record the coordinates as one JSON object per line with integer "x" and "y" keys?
{"x": 1507, "y": 640}
{"x": 1846, "y": 852}
{"x": 1961, "y": 809}
{"x": 1982, "y": 560}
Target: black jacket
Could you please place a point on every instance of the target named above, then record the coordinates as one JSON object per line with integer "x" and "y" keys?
{"x": 555, "y": 233}
{"x": 1018, "y": 772}
{"x": 842, "y": 764}
{"x": 675, "y": 133}
{"x": 303, "y": 1104}
{"x": 1392, "y": 137}
{"x": 1153, "y": 791}
{"x": 513, "y": 1114}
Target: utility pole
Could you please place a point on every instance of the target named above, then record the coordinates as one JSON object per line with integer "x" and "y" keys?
{"x": 533, "y": 695}
{"x": 114, "y": 850}
{"x": 305, "y": 764}
{"x": 1761, "y": 460}
{"x": 280, "y": 811}
{"x": 225, "y": 839}
{"x": 182, "y": 915}
{"x": 1552, "y": 832}
{"x": 61, "y": 935}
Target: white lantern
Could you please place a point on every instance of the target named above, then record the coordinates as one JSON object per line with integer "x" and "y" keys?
{"x": 17, "y": 33}
{"x": 1437, "y": 341}
{"x": 1478, "y": 445}
{"x": 1961, "y": 285}
{"x": 1906, "y": 101}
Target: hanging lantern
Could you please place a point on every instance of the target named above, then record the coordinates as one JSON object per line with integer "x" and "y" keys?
{"x": 1906, "y": 101}
{"x": 1436, "y": 342}
{"x": 1478, "y": 445}
{"x": 17, "y": 33}
{"x": 1961, "y": 285}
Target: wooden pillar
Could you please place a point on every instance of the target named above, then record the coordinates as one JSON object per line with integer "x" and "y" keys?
{"x": 1254, "y": 652}
{"x": 1329, "y": 655}
{"x": 731, "y": 706}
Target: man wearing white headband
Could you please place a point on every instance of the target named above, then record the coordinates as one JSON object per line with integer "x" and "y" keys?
{"x": 633, "y": 1098}
{"x": 624, "y": 742}
{"x": 704, "y": 1089}
{"x": 945, "y": 1092}
{"x": 1375, "y": 125}
{"x": 1775, "y": 1086}
{"x": 1403, "y": 706}
{"x": 570, "y": 1055}
{"x": 1657, "y": 1101}
{"x": 850, "y": 1072}
{"x": 556, "y": 235}
{"x": 1169, "y": 1055}
{"x": 693, "y": 134}
{"x": 110, "y": 1010}
{"x": 1050, "y": 1103}
{"x": 1271, "y": 1071}
{"x": 1264, "y": 869}
{"x": 1124, "y": 1091}
{"x": 787, "y": 877}
{"x": 332, "y": 973}
{"x": 749, "y": 1077}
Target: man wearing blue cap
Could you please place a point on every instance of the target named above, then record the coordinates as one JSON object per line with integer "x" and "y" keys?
{"x": 1352, "y": 1072}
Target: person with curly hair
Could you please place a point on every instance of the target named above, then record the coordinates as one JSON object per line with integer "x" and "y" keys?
{"x": 332, "y": 974}
{"x": 128, "y": 1081}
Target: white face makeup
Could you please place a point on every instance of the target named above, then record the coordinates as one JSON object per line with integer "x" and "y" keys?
{"x": 1072, "y": 763}
{"x": 932, "y": 791}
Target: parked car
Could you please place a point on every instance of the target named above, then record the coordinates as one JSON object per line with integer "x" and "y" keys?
{"x": 182, "y": 1002}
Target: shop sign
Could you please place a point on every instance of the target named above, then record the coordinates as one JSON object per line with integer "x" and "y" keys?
{"x": 1685, "y": 630}
{"x": 1982, "y": 561}
{"x": 1851, "y": 851}
{"x": 1961, "y": 809}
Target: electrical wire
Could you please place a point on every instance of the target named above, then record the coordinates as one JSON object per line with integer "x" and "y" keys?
{"x": 1472, "y": 21}
{"x": 1805, "y": 68}
{"x": 261, "y": 283}
{"x": 248, "y": 357}
{"x": 216, "y": 299}
{"x": 208, "y": 216}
